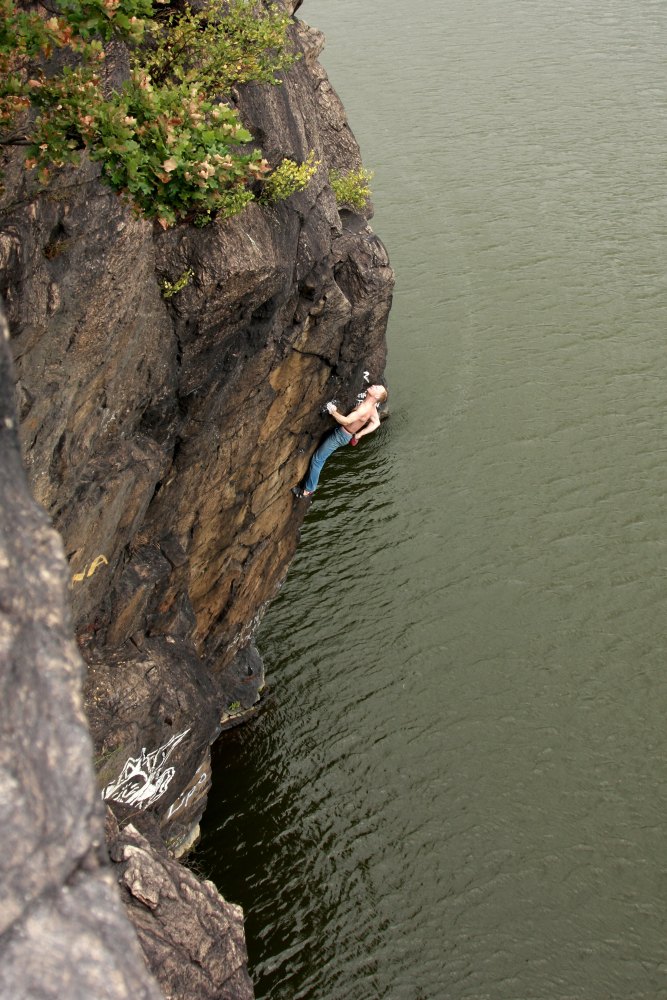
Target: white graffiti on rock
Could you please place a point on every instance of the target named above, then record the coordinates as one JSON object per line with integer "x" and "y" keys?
{"x": 145, "y": 778}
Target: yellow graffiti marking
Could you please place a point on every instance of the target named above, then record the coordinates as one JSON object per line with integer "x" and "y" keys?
{"x": 89, "y": 569}
{"x": 96, "y": 563}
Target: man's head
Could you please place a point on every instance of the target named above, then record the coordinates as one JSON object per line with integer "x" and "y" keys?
{"x": 378, "y": 392}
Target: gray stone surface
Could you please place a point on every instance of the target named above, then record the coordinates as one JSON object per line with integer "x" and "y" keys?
{"x": 63, "y": 930}
{"x": 195, "y": 945}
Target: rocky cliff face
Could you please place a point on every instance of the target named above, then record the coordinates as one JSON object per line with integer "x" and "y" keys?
{"x": 162, "y": 436}
{"x": 63, "y": 932}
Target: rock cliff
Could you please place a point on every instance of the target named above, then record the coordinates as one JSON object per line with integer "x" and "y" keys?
{"x": 162, "y": 435}
{"x": 63, "y": 932}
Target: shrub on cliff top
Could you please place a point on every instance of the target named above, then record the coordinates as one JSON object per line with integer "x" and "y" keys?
{"x": 167, "y": 140}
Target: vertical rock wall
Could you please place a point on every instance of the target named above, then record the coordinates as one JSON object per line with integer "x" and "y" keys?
{"x": 63, "y": 932}
{"x": 162, "y": 435}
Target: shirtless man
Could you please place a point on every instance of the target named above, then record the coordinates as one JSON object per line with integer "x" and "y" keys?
{"x": 362, "y": 420}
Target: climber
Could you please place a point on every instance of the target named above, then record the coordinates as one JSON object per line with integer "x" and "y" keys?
{"x": 362, "y": 420}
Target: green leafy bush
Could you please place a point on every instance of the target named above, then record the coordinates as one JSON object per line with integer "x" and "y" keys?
{"x": 289, "y": 177}
{"x": 351, "y": 188}
{"x": 227, "y": 43}
{"x": 167, "y": 140}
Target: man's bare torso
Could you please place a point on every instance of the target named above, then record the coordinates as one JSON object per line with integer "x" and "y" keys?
{"x": 360, "y": 415}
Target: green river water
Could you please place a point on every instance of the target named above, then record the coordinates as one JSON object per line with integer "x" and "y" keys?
{"x": 458, "y": 786}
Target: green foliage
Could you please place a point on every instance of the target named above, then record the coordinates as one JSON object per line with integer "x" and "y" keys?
{"x": 175, "y": 153}
{"x": 351, "y": 188}
{"x": 24, "y": 37}
{"x": 167, "y": 141}
{"x": 229, "y": 42}
{"x": 289, "y": 177}
{"x": 94, "y": 19}
{"x": 170, "y": 288}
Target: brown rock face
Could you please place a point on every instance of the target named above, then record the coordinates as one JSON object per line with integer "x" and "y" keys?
{"x": 162, "y": 435}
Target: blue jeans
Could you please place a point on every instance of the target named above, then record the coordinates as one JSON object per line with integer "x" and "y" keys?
{"x": 336, "y": 439}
